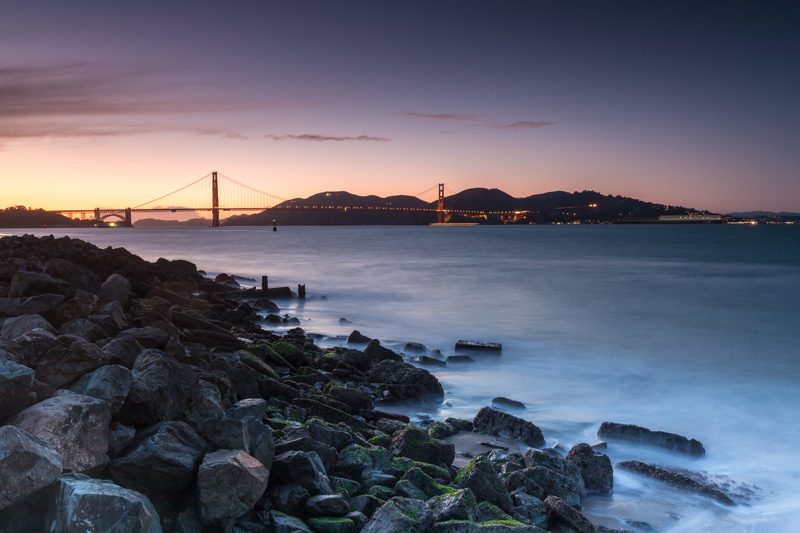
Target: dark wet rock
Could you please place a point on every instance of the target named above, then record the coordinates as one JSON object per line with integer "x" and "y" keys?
{"x": 306, "y": 444}
{"x": 327, "y": 505}
{"x": 70, "y": 358}
{"x": 83, "y": 504}
{"x": 354, "y": 459}
{"x": 377, "y": 353}
{"x": 401, "y": 515}
{"x": 479, "y": 346}
{"x": 415, "y": 443}
{"x": 291, "y": 353}
{"x": 345, "y": 487}
{"x": 502, "y": 401}
{"x": 110, "y": 383}
{"x": 81, "y": 305}
{"x": 255, "y": 407}
{"x": 287, "y": 497}
{"x": 440, "y": 430}
{"x": 20, "y": 325}
{"x": 264, "y": 304}
{"x": 114, "y": 288}
{"x": 123, "y": 351}
{"x": 366, "y": 504}
{"x": 74, "y": 425}
{"x": 304, "y": 468}
{"x": 484, "y": 481}
{"x": 640, "y": 435}
{"x": 205, "y": 401}
{"x": 526, "y": 479}
{"x": 504, "y": 526}
{"x": 160, "y": 390}
{"x": 332, "y": 524}
{"x": 595, "y": 468}
{"x": 357, "y": 338}
{"x": 425, "y": 360}
{"x": 459, "y": 424}
{"x": 415, "y": 347}
{"x": 555, "y": 476}
{"x": 262, "y": 442}
{"x": 283, "y": 523}
{"x": 81, "y": 327}
{"x": 565, "y": 515}
{"x": 359, "y": 519}
{"x": 531, "y": 509}
{"x": 494, "y": 422}
{"x": 332, "y": 435}
{"x": 226, "y": 433}
{"x": 40, "y": 304}
{"x": 148, "y": 337}
{"x": 459, "y": 359}
{"x": 163, "y": 459}
{"x": 353, "y": 398}
{"x": 458, "y": 505}
{"x": 415, "y": 481}
{"x": 229, "y": 483}
{"x": 76, "y": 276}
{"x": 16, "y": 387}
{"x": 401, "y": 381}
{"x": 25, "y": 283}
{"x": 26, "y": 465}
{"x": 677, "y": 480}
{"x": 120, "y": 437}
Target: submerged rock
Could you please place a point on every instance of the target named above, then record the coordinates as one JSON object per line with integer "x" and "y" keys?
{"x": 507, "y": 402}
{"x": 677, "y": 480}
{"x": 640, "y": 435}
{"x": 492, "y": 421}
{"x": 399, "y": 381}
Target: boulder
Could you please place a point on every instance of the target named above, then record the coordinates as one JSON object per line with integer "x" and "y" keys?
{"x": 283, "y": 523}
{"x": 287, "y": 497}
{"x": 401, "y": 515}
{"x": 76, "y": 276}
{"x": 262, "y": 443}
{"x": 74, "y": 425}
{"x": 507, "y": 402}
{"x": 565, "y": 515}
{"x": 531, "y": 509}
{"x": 355, "y": 459}
{"x": 148, "y": 337}
{"x": 357, "y": 338}
{"x": 332, "y": 524}
{"x": 398, "y": 381}
{"x": 16, "y": 387}
{"x": 458, "y": 359}
{"x": 40, "y": 304}
{"x": 483, "y": 480}
{"x": 79, "y": 306}
{"x": 255, "y": 407}
{"x": 595, "y": 468}
{"x": 82, "y": 504}
{"x": 120, "y": 437}
{"x": 441, "y": 430}
{"x": 458, "y": 505}
{"x": 229, "y": 483}
{"x": 25, "y": 283}
{"x": 19, "y": 325}
{"x": 81, "y": 327}
{"x": 678, "y": 480}
{"x": 160, "y": 390}
{"x": 492, "y": 421}
{"x": 415, "y": 443}
{"x": 366, "y": 504}
{"x": 353, "y": 398}
{"x": 26, "y": 465}
{"x": 205, "y": 401}
{"x": 226, "y": 433}
{"x": 114, "y": 288}
{"x": 303, "y": 468}
{"x": 327, "y": 505}
{"x": 110, "y": 383}
{"x": 123, "y": 351}
{"x": 70, "y": 358}
{"x": 556, "y": 476}
{"x": 332, "y": 435}
{"x": 640, "y": 435}
{"x": 162, "y": 460}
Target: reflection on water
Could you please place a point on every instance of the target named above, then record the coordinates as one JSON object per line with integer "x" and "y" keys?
{"x": 687, "y": 329}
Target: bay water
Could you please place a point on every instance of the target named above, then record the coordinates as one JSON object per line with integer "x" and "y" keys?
{"x": 688, "y": 329}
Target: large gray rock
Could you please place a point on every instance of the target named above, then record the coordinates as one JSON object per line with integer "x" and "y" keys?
{"x": 76, "y": 276}
{"x": 81, "y": 504}
{"x": 262, "y": 442}
{"x": 531, "y": 509}
{"x": 640, "y": 435}
{"x": 483, "y": 480}
{"x": 398, "y": 381}
{"x": 205, "y": 401}
{"x": 327, "y": 505}
{"x": 595, "y": 468}
{"x": 566, "y": 516}
{"x": 110, "y": 383}
{"x": 70, "y": 358}
{"x": 495, "y": 422}
{"x": 81, "y": 327}
{"x": 162, "y": 460}
{"x": 226, "y": 433}
{"x": 229, "y": 484}
{"x": 123, "y": 351}
{"x": 415, "y": 443}
{"x": 26, "y": 465}
{"x": 460, "y": 505}
{"x": 555, "y": 476}
{"x": 74, "y": 425}
{"x": 115, "y": 288}
{"x": 20, "y": 325}
{"x": 401, "y": 515}
{"x": 16, "y": 387}
{"x": 26, "y": 283}
{"x": 79, "y": 306}
{"x": 303, "y": 468}
{"x": 38, "y": 305}
{"x": 283, "y": 523}
{"x": 160, "y": 390}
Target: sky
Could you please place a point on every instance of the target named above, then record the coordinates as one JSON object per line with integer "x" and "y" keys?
{"x": 678, "y": 102}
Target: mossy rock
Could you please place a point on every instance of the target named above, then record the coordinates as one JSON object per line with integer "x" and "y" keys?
{"x": 329, "y": 524}
{"x": 492, "y": 526}
{"x": 381, "y": 492}
{"x": 400, "y": 465}
{"x": 405, "y": 489}
{"x": 345, "y": 487}
{"x": 355, "y": 458}
{"x": 257, "y": 364}
{"x": 425, "y": 483}
{"x": 440, "y": 430}
{"x": 384, "y": 441}
{"x": 490, "y": 512}
{"x": 291, "y": 353}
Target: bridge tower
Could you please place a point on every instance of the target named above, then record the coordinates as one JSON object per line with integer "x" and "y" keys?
{"x": 214, "y": 201}
{"x": 128, "y": 218}
{"x": 440, "y": 205}
{"x": 97, "y": 214}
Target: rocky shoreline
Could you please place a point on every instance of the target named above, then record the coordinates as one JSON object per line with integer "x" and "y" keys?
{"x": 145, "y": 397}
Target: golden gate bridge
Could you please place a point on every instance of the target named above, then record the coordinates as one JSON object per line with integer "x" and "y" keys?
{"x": 229, "y": 194}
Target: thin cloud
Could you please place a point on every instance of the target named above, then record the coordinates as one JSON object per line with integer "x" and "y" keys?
{"x": 314, "y": 137}
{"x": 437, "y": 116}
{"x": 522, "y": 125}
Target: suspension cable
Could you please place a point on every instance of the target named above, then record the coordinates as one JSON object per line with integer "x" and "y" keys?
{"x": 173, "y": 192}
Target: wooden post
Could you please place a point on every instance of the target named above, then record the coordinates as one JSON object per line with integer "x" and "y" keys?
{"x": 264, "y": 284}
{"x": 301, "y": 291}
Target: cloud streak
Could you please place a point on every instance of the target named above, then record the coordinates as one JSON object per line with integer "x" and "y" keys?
{"x": 477, "y": 120}
{"x": 437, "y": 116}
{"x": 522, "y": 125}
{"x": 314, "y": 137}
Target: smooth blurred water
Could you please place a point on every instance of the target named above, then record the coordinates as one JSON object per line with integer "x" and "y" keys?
{"x": 690, "y": 329}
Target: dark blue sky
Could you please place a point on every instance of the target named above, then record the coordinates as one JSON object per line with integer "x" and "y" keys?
{"x": 678, "y": 102}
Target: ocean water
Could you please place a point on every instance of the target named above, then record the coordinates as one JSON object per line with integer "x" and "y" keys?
{"x": 688, "y": 329}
